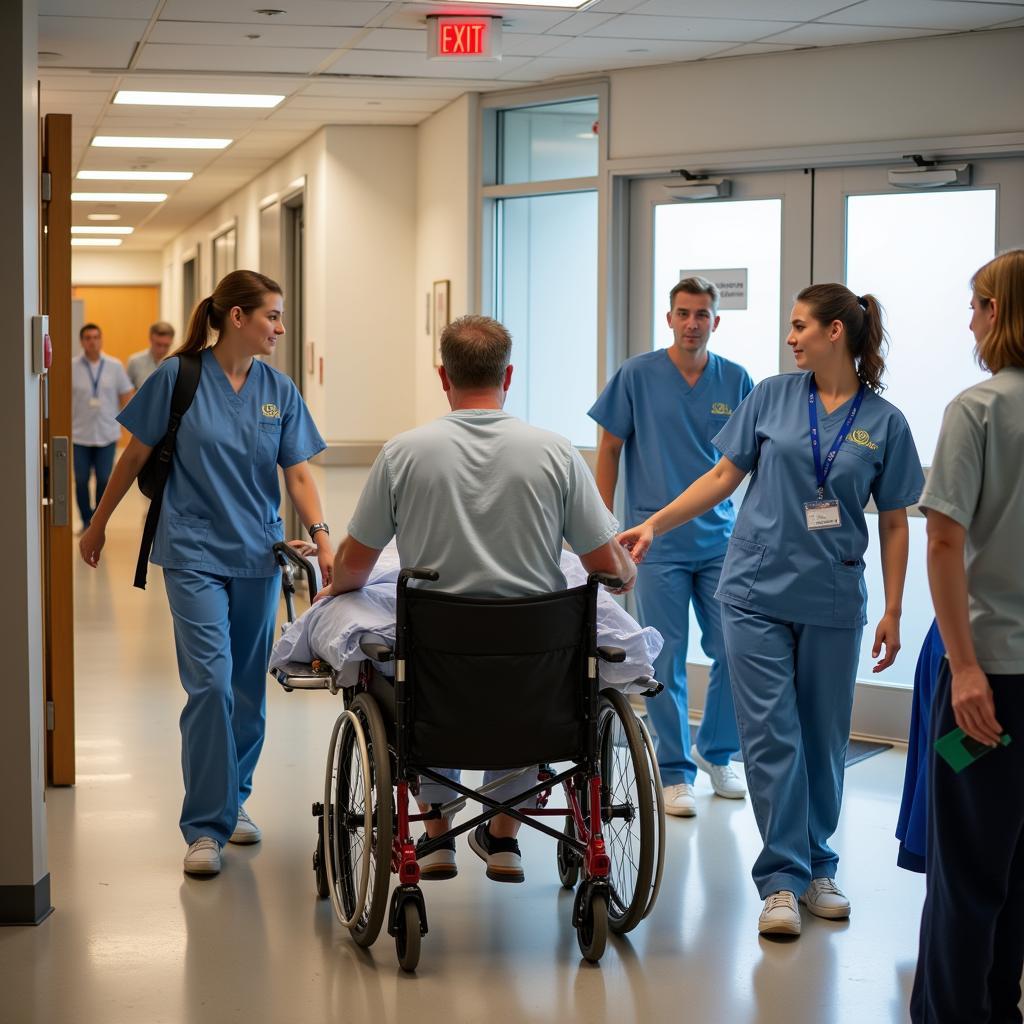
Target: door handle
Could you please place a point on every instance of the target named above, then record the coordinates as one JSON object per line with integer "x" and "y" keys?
{"x": 60, "y": 477}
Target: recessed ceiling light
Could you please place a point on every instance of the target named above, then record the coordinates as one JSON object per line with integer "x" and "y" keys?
{"x": 269, "y": 12}
{"x": 96, "y": 241}
{"x": 103, "y": 216}
{"x": 94, "y": 230}
{"x": 134, "y": 175}
{"x": 197, "y": 99}
{"x": 118, "y": 197}
{"x": 157, "y": 142}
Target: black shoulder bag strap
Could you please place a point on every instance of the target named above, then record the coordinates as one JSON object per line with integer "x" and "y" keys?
{"x": 190, "y": 368}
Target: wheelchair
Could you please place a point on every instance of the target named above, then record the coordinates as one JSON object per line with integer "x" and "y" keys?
{"x": 506, "y": 684}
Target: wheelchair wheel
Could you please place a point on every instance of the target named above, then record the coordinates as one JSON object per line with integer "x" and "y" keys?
{"x": 359, "y": 807}
{"x": 631, "y": 815}
{"x": 659, "y": 810}
{"x": 568, "y": 859}
{"x": 592, "y": 930}
{"x": 408, "y": 935}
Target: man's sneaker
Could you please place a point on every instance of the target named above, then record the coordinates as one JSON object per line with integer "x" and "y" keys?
{"x": 203, "y": 857}
{"x": 439, "y": 864}
{"x": 504, "y": 861}
{"x": 679, "y": 800}
{"x": 780, "y": 915}
{"x": 246, "y": 830}
{"x": 824, "y": 898}
{"x": 724, "y": 779}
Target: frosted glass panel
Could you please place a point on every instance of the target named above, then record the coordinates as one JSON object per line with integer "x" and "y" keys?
{"x": 736, "y": 234}
{"x": 917, "y": 254}
{"x": 547, "y": 298}
{"x": 542, "y": 143}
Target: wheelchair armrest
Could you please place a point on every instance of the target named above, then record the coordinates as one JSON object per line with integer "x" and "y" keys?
{"x": 285, "y": 553}
{"x": 613, "y": 654}
{"x": 606, "y": 579}
{"x": 376, "y": 651}
{"x": 418, "y": 574}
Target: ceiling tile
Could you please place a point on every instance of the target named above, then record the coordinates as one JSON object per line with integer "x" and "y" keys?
{"x": 577, "y": 24}
{"x": 164, "y": 56}
{"x": 99, "y": 8}
{"x": 931, "y": 14}
{"x": 414, "y": 16}
{"x": 634, "y": 49}
{"x": 371, "y": 88}
{"x": 198, "y": 33}
{"x": 89, "y": 42}
{"x": 615, "y": 6}
{"x": 757, "y": 10}
{"x": 369, "y": 62}
{"x": 635, "y": 26}
{"x": 748, "y": 49}
{"x": 819, "y": 33}
{"x": 298, "y": 12}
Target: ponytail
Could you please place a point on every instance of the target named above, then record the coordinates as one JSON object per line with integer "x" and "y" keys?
{"x": 245, "y": 289}
{"x": 861, "y": 317}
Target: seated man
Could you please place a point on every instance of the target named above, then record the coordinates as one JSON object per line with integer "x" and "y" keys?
{"x": 486, "y": 500}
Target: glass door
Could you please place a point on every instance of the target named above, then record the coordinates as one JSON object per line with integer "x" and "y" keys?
{"x": 916, "y": 250}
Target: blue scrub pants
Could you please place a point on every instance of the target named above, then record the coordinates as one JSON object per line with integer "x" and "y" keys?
{"x": 223, "y": 632}
{"x": 89, "y": 459}
{"x": 793, "y": 686}
{"x": 664, "y": 591}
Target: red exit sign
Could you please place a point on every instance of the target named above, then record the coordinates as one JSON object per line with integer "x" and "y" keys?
{"x": 461, "y": 37}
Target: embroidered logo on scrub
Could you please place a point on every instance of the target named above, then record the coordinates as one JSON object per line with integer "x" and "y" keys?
{"x": 720, "y": 409}
{"x": 272, "y": 411}
{"x": 863, "y": 438}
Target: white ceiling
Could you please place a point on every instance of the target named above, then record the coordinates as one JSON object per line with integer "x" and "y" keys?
{"x": 363, "y": 62}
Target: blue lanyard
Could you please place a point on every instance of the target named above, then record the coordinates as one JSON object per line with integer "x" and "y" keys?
{"x": 821, "y": 472}
{"x": 99, "y": 373}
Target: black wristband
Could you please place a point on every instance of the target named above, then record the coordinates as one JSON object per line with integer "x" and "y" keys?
{"x": 315, "y": 528}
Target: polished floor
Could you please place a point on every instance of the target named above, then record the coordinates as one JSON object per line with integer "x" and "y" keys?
{"x": 132, "y": 940}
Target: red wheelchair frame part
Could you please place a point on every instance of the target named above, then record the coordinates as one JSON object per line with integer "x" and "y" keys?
{"x": 597, "y": 863}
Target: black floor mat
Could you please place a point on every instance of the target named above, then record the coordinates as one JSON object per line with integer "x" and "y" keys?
{"x": 858, "y": 750}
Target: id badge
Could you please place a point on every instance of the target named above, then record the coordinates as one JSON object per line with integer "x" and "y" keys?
{"x": 822, "y": 515}
{"x": 94, "y": 403}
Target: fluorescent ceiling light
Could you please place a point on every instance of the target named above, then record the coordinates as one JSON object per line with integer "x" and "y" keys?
{"x": 103, "y": 216}
{"x": 96, "y": 241}
{"x": 134, "y": 175}
{"x": 87, "y": 229}
{"x": 157, "y": 142}
{"x": 196, "y": 99}
{"x": 118, "y": 197}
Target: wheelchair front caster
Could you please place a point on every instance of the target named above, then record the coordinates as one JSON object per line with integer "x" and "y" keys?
{"x": 568, "y": 858}
{"x": 407, "y": 936}
{"x": 591, "y": 918}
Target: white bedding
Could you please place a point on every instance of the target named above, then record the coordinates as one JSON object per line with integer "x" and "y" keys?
{"x": 332, "y": 628}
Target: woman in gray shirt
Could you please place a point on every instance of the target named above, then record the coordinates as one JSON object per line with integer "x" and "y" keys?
{"x": 972, "y": 929}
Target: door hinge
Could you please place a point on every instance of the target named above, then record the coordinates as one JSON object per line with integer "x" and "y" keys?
{"x": 49, "y": 716}
{"x": 46, "y": 186}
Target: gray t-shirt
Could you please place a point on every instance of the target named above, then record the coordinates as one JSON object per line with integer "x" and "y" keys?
{"x": 976, "y": 480}
{"x": 140, "y": 366}
{"x": 485, "y": 499}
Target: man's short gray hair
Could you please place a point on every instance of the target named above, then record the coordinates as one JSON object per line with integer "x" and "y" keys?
{"x": 162, "y": 327}
{"x": 695, "y": 286}
{"x": 475, "y": 350}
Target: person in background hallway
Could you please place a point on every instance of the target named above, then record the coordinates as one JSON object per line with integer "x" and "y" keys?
{"x": 972, "y": 927}
{"x": 912, "y": 826}
{"x": 661, "y": 409}
{"x": 818, "y": 445}
{"x": 218, "y": 523}
{"x": 142, "y": 364}
{"x": 99, "y": 390}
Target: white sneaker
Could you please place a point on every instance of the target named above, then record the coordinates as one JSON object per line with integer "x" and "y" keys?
{"x": 780, "y": 915}
{"x": 203, "y": 857}
{"x": 679, "y": 800}
{"x": 824, "y": 898}
{"x": 246, "y": 830}
{"x": 724, "y": 779}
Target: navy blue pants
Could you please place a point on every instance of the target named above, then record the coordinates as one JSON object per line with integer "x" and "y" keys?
{"x": 972, "y": 929}
{"x": 89, "y": 459}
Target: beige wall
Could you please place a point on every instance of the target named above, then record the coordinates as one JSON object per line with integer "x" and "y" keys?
{"x": 105, "y": 267}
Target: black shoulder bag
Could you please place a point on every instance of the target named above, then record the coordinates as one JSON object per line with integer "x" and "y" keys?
{"x": 153, "y": 476}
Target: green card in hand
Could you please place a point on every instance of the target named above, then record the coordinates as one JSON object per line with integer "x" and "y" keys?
{"x": 960, "y": 751}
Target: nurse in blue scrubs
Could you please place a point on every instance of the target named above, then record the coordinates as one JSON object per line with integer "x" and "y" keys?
{"x": 819, "y": 444}
{"x": 218, "y": 523}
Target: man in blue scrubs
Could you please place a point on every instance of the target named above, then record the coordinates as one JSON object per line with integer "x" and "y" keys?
{"x": 661, "y": 410}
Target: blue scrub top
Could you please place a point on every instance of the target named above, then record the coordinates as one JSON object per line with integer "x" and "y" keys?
{"x": 667, "y": 427}
{"x": 774, "y": 564}
{"x": 221, "y": 507}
